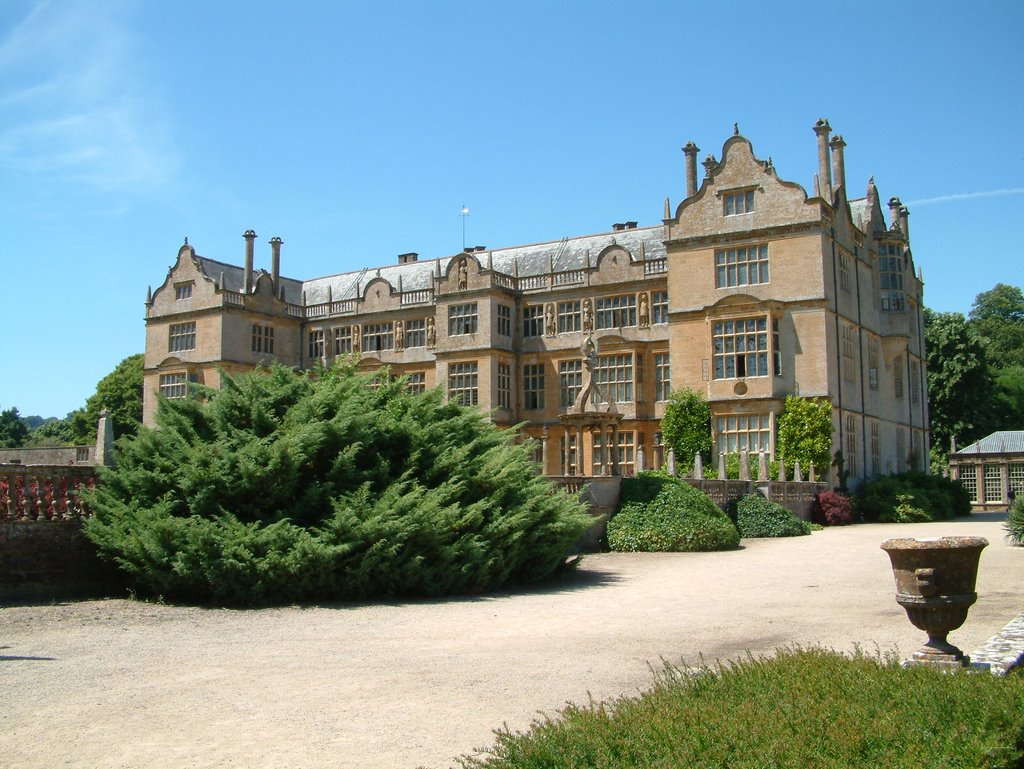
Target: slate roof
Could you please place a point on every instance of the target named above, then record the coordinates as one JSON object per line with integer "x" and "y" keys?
{"x": 233, "y": 276}
{"x": 1002, "y": 442}
{"x": 566, "y": 254}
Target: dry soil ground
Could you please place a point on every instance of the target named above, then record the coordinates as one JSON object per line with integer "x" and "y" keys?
{"x": 116, "y": 683}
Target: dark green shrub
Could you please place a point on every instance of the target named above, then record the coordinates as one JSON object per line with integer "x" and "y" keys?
{"x": 1015, "y": 522}
{"x": 758, "y": 517}
{"x": 282, "y": 487}
{"x": 664, "y": 514}
{"x": 940, "y": 498}
{"x": 804, "y": 709}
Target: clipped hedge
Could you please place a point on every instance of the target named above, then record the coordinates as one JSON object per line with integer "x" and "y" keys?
{"x": 940, "y": 498}
{"x": 758, "y": 517}
{"x": 802, "y": 709}
{"x": 659, "y": 513}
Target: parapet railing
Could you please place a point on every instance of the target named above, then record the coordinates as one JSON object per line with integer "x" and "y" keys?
{"x": 44, "y": 493}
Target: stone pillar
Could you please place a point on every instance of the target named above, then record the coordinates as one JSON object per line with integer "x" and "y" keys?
{"x": 838, "y": 162}
{"x": 606, "y": 463}
{"x": 580, "y": 461}
{"x": 250, "y": 240}
{"x": 762, "y": 467}
{"x": 544, "y": 436}
{"x": 698, "y": 467}
{"x": 691, "y": 150}
{"x": 821, "y": 130}
{"x": 275, "y": 263}
{"x": 567, "y": 468}
{"x": 105, "y": 440}
{"x": 798, "y": 474}
{"x": 744, "y": 465}
{"x": 895, "y": 206}
{"x": 672, "y": 462}
{"x": 721, "y": 466}
{"x": 639, "y": 464}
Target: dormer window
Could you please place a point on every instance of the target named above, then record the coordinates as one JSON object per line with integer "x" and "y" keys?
{"x": 741, "y": 202}
{"x": 182, "y": 291}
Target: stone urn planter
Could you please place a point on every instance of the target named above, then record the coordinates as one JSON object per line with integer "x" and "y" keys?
{"x": 935, "y": 581}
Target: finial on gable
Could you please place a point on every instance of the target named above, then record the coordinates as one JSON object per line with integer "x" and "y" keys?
{"x": 186, "y": 240}
{"x": 735, "y": 129}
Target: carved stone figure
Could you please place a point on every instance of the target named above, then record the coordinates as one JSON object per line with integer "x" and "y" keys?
{"x": 399, "y": 335}
{"x": 463, "y": 275}
{"x": 549, "y": 320}
{"x": 431, "y": 336}
{"x": 356, "y": 339}
{"x": 645, "y": 311}
{"x": 588, "y": 316}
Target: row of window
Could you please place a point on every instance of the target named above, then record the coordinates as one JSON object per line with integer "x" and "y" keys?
{"x": 613, "y": 374}
{"x": 992, "y": 478}
{"x": 565, "y": 317}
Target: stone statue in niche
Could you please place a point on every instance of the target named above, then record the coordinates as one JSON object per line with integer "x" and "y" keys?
{"x": 463, "y": 275}
{"x": 549, "y": 320}
{"x": 588, "y": 317}
{"x": 431, "y": 336}
{"x": 399, "y": 335}
{"x": 356, "y": 340}
{"x": 645, "y": 311}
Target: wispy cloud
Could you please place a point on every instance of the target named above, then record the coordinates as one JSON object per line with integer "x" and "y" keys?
{"x": 75, "y": 108}
{"x": 966, "y": 196}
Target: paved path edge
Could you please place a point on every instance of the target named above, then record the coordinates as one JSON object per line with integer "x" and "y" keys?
{"x": 1005, "y": 650}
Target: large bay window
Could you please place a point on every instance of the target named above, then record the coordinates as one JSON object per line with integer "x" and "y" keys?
{"x": 740, "y": 348}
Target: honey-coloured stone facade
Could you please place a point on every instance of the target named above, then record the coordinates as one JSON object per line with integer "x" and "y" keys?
{"x": 749, "y": 290}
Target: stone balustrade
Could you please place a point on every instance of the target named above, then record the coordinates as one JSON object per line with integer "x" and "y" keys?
{"x": 44, "y": 493}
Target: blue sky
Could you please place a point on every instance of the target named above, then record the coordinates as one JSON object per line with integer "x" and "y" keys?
{"x": 356, "y": 131}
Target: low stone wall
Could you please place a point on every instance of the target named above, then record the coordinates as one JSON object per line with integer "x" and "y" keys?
{"x": 798, "y": 496}
{"x": 43, "y": 552}
{"x": 49, "y": 559}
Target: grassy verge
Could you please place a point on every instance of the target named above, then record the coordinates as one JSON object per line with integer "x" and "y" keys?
{"x": 805, "y": 708}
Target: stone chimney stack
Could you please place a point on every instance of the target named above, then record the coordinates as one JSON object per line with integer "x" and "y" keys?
{"x": 821, "y": 129}
{"x": 250, "y": 242}
{"x": 895, "y": 207}
{"x": 691, "y": 150}
{"x": 275, "y": 261}
{"x": 905, "y": 222}
{"x": 838, "y": 161}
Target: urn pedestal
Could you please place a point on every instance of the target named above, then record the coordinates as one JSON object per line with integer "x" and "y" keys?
{"x": 935, "y": 580}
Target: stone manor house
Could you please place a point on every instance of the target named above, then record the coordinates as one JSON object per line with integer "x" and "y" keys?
{"x": 748, "y": 290}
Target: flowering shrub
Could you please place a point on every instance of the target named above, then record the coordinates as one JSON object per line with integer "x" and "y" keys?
{"x": 832, "y": 509}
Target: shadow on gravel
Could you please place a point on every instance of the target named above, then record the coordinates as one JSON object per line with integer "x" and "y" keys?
{"x": 5, "y": 658}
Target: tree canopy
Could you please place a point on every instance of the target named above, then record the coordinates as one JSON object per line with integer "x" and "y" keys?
{"x": 961, "y": 388}
{"x": 686, "y": 426}
{"x": 285, "y": 487}
{"x": 13, "y": 431}
{"x": 120, "y": 392}
{"x": 805, "y": 432}
{"x": 997, "y": 317}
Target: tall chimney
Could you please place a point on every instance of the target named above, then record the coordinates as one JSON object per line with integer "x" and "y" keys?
{"x": 250, "y": 239}
{"x": 821, "y": 129}
{"x": 838, "y": 161}
{"x": 894, "y": 214}
{"x": 691, "y": 150}
{"x": 275, "y": 260}
{"x": 905, "y": 222}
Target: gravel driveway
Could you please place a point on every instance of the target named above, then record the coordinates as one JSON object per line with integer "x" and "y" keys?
{"x": 117, "y": 683}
